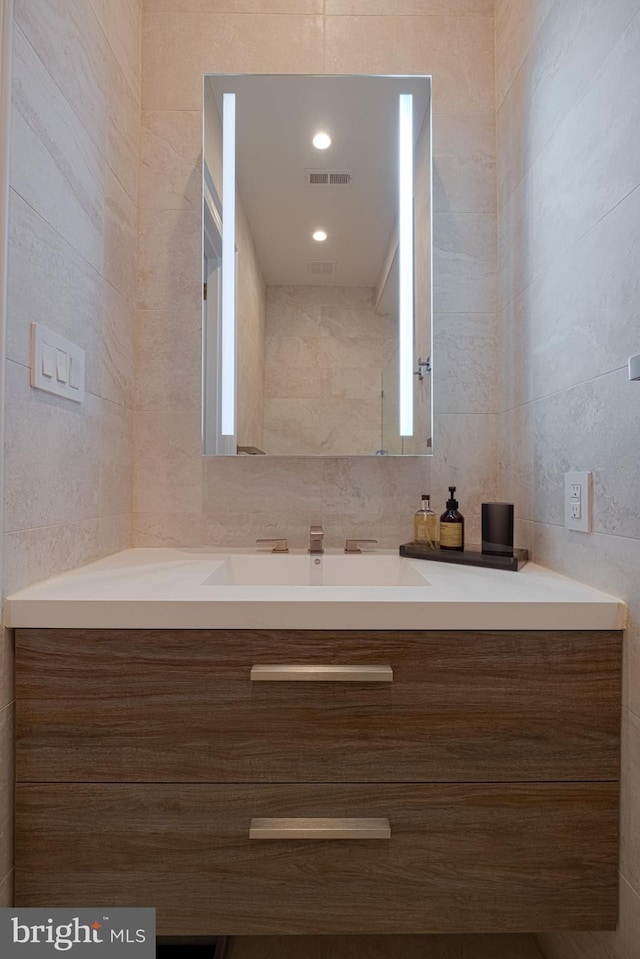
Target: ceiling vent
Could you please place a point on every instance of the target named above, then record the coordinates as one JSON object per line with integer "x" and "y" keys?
{"x": 321, "y": 267}
{"x": 328, "y": 177}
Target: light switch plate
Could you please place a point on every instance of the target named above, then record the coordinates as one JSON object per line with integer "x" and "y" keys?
{"x": 52, "y": 359}
{"x": 577, "y": 501}
{"x": 634, "y": 367}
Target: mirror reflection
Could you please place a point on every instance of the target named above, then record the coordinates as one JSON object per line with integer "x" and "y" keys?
{"x": 317, "y": 265}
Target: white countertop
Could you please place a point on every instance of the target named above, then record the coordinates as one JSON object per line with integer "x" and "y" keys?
{"x": 163, "y": 589}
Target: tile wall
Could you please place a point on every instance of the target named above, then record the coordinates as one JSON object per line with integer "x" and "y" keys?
{"x": 72, "y": 266}
{"x": 568, "y": 122}
{"x": 179, "y": 496}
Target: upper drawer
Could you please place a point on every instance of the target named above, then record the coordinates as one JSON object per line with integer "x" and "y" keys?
{"x": 154, "y": 706}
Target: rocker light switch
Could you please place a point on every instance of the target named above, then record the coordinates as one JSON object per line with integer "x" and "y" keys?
{"x": 57, "y": 365}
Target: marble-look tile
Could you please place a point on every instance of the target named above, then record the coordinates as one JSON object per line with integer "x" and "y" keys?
{"x": 123, "y": 127}
{"x": 68, "y": 40}
{"x": 514, "y": 137}
{"x": 60, "y": 484}
{"x": 517, "y": 24}
{"x": 116, "y": 459}
{"x": 7, "y": 690}
{"x": 465, "y": 263}
{"x": 43, "y": 551}
{"x": 55, "y": 165}
{"x": 466, "y": 455}
{"x": 289, "y": 305}
{"x": 588, "y": 326}
{"x": 7, "y": 782}
{"x": 179, "y": 48}
{"x": 516, "y": 460}
{"x": 235, "y": 6}
{"x": 6, "y": 890}
{"x": 171, "y": 160}
{"x": 464, "y": 164}
{"x": 457, "y": 51}
{"x": 629, "y": 806}
{"x": 516, "y": 335}
{"x": 121, "y": 21}
{"x": 170, "y": 260}
{"x": 591, "y": 426}
{"x": 114, "y": 534}
{"x": 523, "y": 536}
{"x": 445, "y": 8}
{"x": 515, "y": 242}
{"x": 589, "y": 165}
{"x": 117, "y": 347}
{"x": 466, "y": 363}
{"x": 168, "y": 360}
{"x": 299, "y": 383}
{"x": 167, "y": 462}
{"x": 120, "y": 237}
{"x": 50, "y": 283}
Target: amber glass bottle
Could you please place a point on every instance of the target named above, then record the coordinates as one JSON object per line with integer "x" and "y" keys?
{"x": 452, "y": 525}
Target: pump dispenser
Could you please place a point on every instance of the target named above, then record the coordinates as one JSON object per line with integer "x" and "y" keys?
{"x": 452, "y": 525}
{"x": 425, "y": 524}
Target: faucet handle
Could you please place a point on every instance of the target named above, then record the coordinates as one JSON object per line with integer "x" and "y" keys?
{"x": 351, "y": 545}
{"x": 281, "y": 545}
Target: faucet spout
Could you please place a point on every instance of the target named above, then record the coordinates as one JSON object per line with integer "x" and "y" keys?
{"x": 316, "y": 536}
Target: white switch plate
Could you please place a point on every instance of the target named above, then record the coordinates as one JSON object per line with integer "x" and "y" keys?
{"x": 577, "y": 501}
{"x": 53, "y": 359}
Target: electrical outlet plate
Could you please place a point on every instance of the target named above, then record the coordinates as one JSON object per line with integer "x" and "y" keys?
{"x": 577, "y": 501}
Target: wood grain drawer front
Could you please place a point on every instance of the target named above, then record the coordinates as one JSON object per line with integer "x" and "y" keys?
{"x": 493, "y": 858}
{"x": 162, "y": 706}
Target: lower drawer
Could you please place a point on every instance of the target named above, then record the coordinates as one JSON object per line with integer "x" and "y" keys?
{"x": 460, "y": 858}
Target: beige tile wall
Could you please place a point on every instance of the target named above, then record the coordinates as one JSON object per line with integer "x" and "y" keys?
{"x": 72, "y": 266}
{"x": 204, "y": 500}
{"x": 568, "y": 122}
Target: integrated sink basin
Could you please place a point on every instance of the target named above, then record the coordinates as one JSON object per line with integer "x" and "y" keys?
{"x": 317, "y": 570}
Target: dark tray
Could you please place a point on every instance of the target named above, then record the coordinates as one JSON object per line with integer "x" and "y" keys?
{"x": 467, "y": 557}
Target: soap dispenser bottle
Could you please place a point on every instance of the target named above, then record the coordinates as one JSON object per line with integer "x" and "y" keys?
{"x": 425, "y": 524}
{"x": 452, "y": 525}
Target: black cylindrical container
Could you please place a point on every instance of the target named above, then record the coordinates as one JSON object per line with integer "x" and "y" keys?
{"x": 497, "y": 529}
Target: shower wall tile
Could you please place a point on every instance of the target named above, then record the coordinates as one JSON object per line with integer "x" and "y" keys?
{"x": 117, "y": 347}
{"x": 121, "y": 21}
{"x": 516, "y": 335}
{"x": 55, "y": 166}
{"x": 60, "y": 484}
{"x": 589, "y": 327}
{"x": 440, "y": 8}
{"x": 168, "y": 462}
{"x": 466, "y": 363}
{"x": 168, "y": 358}
{"x": 179, "y": 48}
{"x": 34, "y": 554}
{"x": 48, "y": 278}
{"x": 170, "y": 260}
{"x": 465, "y": 263}
{"x": 516, "y": 27}
{"x": 120, "y": 237}
{"x": 456, "y": 51}
{"x": 72, "y": 47}
{"x": 464, "y": 164}
{"x": 123, "y": 127}
{"x": 606, "y": 443}
{"x": 171, "y": 160}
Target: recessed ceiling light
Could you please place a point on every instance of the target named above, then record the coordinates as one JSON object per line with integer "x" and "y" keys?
{"x": 321, "y": 141}
{"x": 319, "y": 235}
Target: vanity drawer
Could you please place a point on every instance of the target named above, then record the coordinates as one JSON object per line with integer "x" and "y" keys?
{"x": 476, "y": 858}
{"x": 163, "y": 706}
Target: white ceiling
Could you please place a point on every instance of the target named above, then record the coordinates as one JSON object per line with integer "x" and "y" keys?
{"x": 276, "y": 118}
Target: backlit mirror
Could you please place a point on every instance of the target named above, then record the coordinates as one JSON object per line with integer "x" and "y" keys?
{"x": 317, "y": 265}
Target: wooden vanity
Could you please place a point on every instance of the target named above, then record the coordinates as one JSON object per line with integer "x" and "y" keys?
{"x": 143, "y": 755}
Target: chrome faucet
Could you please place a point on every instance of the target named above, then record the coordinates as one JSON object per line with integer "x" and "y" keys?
{"x": 316, "y": 536}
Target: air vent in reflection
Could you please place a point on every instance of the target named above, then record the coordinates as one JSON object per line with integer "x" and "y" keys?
{"x": 328, "y": 177}
{"x": 321, "y": 267}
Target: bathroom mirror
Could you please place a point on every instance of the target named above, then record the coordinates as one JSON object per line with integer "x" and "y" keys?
{"x": 317, "y": 265}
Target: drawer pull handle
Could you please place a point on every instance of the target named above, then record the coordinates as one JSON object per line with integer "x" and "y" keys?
{"x": 322, "y": 674}
{"x": 320, "y": 829}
